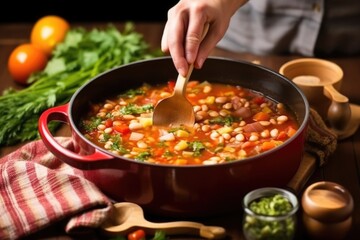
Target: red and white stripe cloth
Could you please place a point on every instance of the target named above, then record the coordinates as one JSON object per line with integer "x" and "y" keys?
{"x": 37, "y": 190}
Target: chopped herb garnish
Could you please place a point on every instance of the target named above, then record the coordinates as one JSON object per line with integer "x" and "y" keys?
{"x": 167, "y": 153}
{"x": 106, "y": 137}
{"x": 91, "y": 125}
{"x": 117, "y": 144}
{"x": 226, "y": 121}
{"x": 196, "y": 147}
{"x": 133, "y": 92}
{"x": 143, "y": 156}
{"x": 172, "y": 130}
{"x": 135, "y": 109}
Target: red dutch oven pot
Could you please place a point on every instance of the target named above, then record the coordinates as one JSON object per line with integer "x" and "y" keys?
{"x": 192, "y": 191}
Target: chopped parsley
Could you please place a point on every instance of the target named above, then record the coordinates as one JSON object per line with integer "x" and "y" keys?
{"x": 135, "y": 109}
{"x": 197, "y": 147}
{"x": 92, "y": 124}
{"x": 226, "y": 121}
{"x": 143, "y": 156}
{"x": 132, "y": 93}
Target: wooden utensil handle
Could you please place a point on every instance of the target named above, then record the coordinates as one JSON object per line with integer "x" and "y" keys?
{"x": 334, "y": 95}
{"x": 304, "y": 172}
{"x": 187, "y": 228}
{"x": 181, "y": 81}
{"x": 355, "y": 112}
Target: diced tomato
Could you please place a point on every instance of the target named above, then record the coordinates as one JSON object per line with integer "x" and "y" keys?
{"x": 159, "y": 152}
{"x": 248, "y": 144}
{"x": 282, "y": 135}
{"x": 192, "y": 84}
{"x": 123, "y": 129}
{"x": 108, "y": 123}
{"x": 291, "y": 131}
{"x": 259, "y": 100}
{"x": 171, "y": 85}
{"x": 261, "y": 116}
{"x": 137, "y": 235}
{"x": 268, "y": 145}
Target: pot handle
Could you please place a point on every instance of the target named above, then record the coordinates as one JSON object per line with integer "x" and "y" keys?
{"x": 96, "y": 160}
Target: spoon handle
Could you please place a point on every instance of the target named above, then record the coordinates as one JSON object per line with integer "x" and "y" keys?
{"x": 185, "y": 227}
{"x": 334, "y": 95}
{"x": 355, "y": 110}
{"x": 181, "y": 81}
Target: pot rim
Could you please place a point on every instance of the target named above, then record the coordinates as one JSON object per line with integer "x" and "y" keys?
{"x": 262, "y": 156}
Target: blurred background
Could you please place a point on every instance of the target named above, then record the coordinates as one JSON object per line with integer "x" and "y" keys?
{"x": 80, "y": 11}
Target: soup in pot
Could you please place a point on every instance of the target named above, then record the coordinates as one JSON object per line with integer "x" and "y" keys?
{"x": 232, "y": 123}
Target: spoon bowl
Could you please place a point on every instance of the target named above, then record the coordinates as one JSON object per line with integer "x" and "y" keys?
{"x": 176, "y": 110}
{"x": 128, "y": 217}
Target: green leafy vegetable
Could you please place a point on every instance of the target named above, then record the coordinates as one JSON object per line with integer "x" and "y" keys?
{"x": 80, "y": 57}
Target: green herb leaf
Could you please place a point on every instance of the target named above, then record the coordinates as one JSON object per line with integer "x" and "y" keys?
{"x": 80, "y": 57}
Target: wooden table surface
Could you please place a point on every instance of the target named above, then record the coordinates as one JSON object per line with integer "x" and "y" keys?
{"x": 342, "y": 167}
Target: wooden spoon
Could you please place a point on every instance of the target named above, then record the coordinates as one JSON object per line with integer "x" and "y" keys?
{"x": 339, "y": 113}
{"x": 344, "y": 117}
{"x": 128, "y": 217}
{"x": 352, "y": 125}
{"x": 176, "y": 110}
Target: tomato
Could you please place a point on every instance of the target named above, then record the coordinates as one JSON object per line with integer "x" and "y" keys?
{"x": 24, "y": 60}
{"x": 123, "y": 129}
{"x": 137, "y": 235}
{"x": 48, "y": 31}
{"x": 171, "y": 85}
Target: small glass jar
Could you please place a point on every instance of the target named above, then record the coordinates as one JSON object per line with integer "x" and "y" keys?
{"x": 270, "y": 213}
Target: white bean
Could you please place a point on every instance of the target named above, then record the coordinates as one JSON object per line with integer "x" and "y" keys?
{"x": 108, "y": 130}
{"x": 141, "y": 144}
{"x": 282, "y": 118}
{"x": 274, "y": 133}
{"x": 240, "y": 137}
{"x": 213, "y": 113}
{"x": 222, "y": 99}
{"x": 207, "y": 89}
{"x": 135, "y": 125}
{"x": 196, "y": 108}
{"x": 265, "y": 133}
{"x": 227, "y": 106}
{"x": 108, "y": 106}
{"x": 101, "y": 127}
{"x": 264, "y": 123}
{"x": 253, "y": 138}
{"x": 214, "y": 135}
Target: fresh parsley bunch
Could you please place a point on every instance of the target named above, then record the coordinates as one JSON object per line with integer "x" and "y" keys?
{"x": 80, "y": 57}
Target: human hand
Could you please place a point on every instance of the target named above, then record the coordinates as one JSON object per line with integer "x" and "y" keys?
{"x": 184, "y": 27}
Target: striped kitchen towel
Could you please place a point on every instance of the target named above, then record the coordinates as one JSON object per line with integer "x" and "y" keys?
{"x": 38, "y": 190}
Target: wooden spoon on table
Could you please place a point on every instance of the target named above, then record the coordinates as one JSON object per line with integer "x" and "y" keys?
{"x": 176, "y": 110}
{"x": 128, "y": 217}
